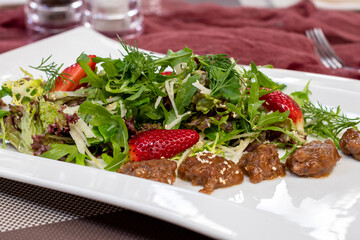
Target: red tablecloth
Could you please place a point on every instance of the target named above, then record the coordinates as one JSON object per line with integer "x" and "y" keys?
{"x": 265, "y": 36}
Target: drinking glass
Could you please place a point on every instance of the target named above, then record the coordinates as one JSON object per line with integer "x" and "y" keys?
{"x": 114, "y": 17}
{"x": 53, "y": 16}
{"x": 151, "y": 7}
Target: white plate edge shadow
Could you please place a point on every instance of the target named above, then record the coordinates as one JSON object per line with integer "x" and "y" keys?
{"x": 148, "y": 197}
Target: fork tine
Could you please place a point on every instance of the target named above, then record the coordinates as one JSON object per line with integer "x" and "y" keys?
{"x": 317, "y": 49}
{"x": 323, "y": 49}
{"x": 327, "y": 48}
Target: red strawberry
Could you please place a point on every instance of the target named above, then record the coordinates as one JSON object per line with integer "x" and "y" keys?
{"x": 157, "y": 143}
{"x": 167, "y": 73}
{"x": 280, "y": 101}
{"x": 72, "y": 76}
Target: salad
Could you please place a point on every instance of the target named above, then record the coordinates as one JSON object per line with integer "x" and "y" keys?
{"x": 106, "y": 112}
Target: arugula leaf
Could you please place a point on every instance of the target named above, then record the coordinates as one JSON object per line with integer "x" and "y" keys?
{"x": 271, "y": 118}
{"x": 137, "y": 94}
{"x": 110, "y": 69}
{"x": 231, "y": 91}
{"x": 107, "y": 159}
{"x": 118, "y": 140}
{"x": 149, "y": 111}
{"x": 264, "y": 81}
{"x": 107, "y": 131}
{"x": 99, "y": 115}
{"x": 236, "y": 110}
{"x": 174, "y": 58}
{"x": 112, "y": 128}
{"x": 91, "y": 76}
{"x": 80, "y": 159}
{"x": 302, "y": 97}
{"x": 185, "y": 94}
{"x": 170, "y": 116}
{"x": 253, "y": 102}
{"x": 58, "y": 151}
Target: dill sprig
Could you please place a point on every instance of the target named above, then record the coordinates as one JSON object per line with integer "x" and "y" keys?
{"x": 51, "y": 71}
{"x": 136, "y": 61}
{"x": 219, "y": 60}
{"x": 326, "y": 122}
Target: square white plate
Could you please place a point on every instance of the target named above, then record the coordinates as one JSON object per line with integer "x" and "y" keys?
{"x": 284, "y": 208}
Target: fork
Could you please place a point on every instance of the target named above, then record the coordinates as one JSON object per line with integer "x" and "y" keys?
{"x": 323, "y": 49}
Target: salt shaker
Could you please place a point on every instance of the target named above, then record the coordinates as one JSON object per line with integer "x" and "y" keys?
{"x": 53, "y": 16}
{"x": 114, "y": 17}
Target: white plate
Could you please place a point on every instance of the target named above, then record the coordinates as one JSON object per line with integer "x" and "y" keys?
{"x": 288, "y": 208}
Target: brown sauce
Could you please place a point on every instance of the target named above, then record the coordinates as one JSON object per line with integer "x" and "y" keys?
{"x": 314, "y": 159}
{"x": 350, "y": 143}
{"x": 210, "y": 171}
{"x": 162, "y": 170}
{"x": 262, "y": 163}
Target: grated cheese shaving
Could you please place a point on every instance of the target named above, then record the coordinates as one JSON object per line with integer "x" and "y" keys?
{"x": 60, "y": 94}
{"x": 169, "y": 86}
{"x": 71, "y": 110}
{"x": 92, "y": 157}
{"x": 122, "y": 109}
{"x": 240, "y": 149}
{"x": 84, "y": 128}
{"x": 183, "y": 156}
{"x": 185, "y": 79}
{"x": 158, "y": 100}
{"x": 202, "y": 89}
{"x": 179, "y": 68}
{"x": 79, "y": 138}
{"x": 176, "y": 121}
{"x": 108, "y": 100}
{"x": 111, "y": 107}
{"x": 80, "y": 125}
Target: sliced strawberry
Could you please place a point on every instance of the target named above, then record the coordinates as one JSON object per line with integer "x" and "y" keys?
{"x": 280, "y": 101}
{"x": 158, "y": 143}
{"x": 72, "y": 76}
{"x": 167, "y": 73}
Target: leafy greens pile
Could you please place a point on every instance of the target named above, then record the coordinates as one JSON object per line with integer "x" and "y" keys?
{"x": 208, "y": 93}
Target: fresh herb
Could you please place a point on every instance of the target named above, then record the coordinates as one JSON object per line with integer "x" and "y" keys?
{"x": 302, "y": 97}
{"x": 59, "y": 151}
{"x": 326, "y": 122}
{"x": 52, "y": 72}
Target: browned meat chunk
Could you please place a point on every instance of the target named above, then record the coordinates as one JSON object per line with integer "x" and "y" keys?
{"x": 162, "y": 170}
{"x": 314, "y": 159}
{"x": 350, "y": 143}
{"x": 210, "y": 171}
{"x": 263, "y": 163}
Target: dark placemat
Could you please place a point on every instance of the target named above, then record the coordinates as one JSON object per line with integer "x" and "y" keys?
{"x": 32, "y": 212}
